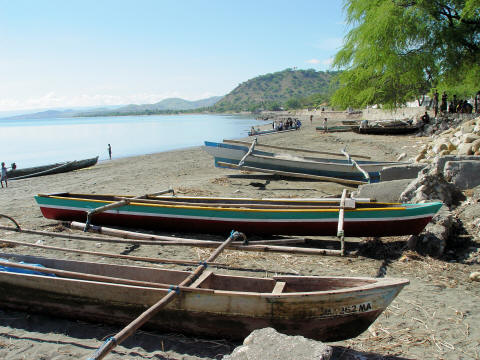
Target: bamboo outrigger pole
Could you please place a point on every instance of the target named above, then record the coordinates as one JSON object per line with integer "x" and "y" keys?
{"x": 113, "y": 341}
{"x": 292, "y": 149}
{"x": 341, "y": 215}
{"x": 365, "y": 173}
{"x": 117, "y": 204}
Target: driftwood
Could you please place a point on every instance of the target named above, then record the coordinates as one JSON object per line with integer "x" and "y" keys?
{"x": 149, "y": 313}
{"x": 292, "y": 149}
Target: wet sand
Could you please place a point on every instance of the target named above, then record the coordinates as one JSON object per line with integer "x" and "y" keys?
{"x": 435, "y": 317}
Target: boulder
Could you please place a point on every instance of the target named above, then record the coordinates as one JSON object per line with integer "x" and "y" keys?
{"x": 431, "y": 185}
{"x": 384, "y": 191}
{"x": 476, "y": 145}
{"x": 464, "y": 174}
{"x": 440, "y": 162}
{"x": 469, "y": 138}
{"x": 465, "y": 149}
{"x": 268, "y": 344}
{"x": 436, "y": 236}
{"x": 398, "y": 172}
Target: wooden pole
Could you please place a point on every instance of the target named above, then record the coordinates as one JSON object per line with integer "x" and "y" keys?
{"x": 341, "y": 215}
{"x": 292, "y": 149}
{"x": 292, "y": 174}
{"x": 117, "y": 204}
{"x": 92, "y": 277}
{"x": 137, "y": 235}
{"x": 249, "y": 152}
{"x": 114, "y": 205}
{"x": 198, "y": 243}
{"x": 102, "y": 254}
{"x": 149, "y": 313}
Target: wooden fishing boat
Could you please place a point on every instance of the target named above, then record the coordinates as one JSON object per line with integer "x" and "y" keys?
{"x": 338, "y": 128}
{"x": 51, "y": 169}
{"x": 386, "y": 130}
{"x": 271, "y": 131}
{"x": 362, "y": 217}
{"x": 238, "y": 156}
{"x": 220, "y": 306}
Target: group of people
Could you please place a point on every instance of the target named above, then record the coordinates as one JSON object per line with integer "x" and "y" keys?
{"x": 287, "y": 124}
{"x": 456, "y": 105}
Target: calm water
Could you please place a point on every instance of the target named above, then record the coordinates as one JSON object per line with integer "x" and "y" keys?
{"x": 39, "y": 142}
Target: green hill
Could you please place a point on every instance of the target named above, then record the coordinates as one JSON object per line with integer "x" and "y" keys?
{"x": 284, "y": 89}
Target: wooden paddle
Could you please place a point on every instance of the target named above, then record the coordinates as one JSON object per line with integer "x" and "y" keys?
{"x": 113, "y": 341}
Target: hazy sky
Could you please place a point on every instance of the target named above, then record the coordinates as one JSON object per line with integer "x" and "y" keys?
{"x": 82, "y": 53}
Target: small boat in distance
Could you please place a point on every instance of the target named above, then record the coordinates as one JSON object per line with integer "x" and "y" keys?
{"x": 289, "y": 216}
{"x": 51, "y": 169}
{"x": 215, "y": 305}
{"x": 295, "y": 125}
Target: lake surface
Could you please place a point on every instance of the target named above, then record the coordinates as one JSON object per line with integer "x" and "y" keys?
{"x": 43, "y": 141}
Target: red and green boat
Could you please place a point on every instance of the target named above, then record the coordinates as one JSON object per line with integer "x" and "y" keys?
{"x": 361, "y": 217}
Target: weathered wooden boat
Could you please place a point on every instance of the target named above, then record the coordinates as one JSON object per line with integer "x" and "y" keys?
{"x": 237, "y": 156}
{"x": 338, "y": 128}
{"x": 351, "y": 122}
{"x": 387, "y": 130}
{"x": 362, "y": 217}
{"x": 220, "y": 306}
{"x": 51, "y": 169}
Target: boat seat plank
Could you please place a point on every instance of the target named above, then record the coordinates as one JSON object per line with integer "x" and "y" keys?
{"x": 279, "y": 286}
{"x": 205, "y": 275}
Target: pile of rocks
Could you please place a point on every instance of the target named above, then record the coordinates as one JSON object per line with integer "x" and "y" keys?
{"x": 455, "y": 138}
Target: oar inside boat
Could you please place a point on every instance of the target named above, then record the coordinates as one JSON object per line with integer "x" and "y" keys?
{"x": 145, "y": 316}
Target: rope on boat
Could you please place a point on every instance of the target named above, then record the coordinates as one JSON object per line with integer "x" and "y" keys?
{"x": 12, "y": 220}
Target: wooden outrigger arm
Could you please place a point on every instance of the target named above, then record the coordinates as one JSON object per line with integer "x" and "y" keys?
{"x": 117, "y": 204}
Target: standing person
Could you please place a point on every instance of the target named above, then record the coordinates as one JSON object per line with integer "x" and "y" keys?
{"x": 435, "y": 103}
{"x": 311, "y": 119}
{"x": 443, "y": 106}
{"x": 325, "y": 128}
{"x": 3, "y": 176}
{"x": 109, "y": 151}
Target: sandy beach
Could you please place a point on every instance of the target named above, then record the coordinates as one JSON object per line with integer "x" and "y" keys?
{"x": 435, "y": 317}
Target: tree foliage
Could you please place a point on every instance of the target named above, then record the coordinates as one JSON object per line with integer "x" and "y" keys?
{"x": 399, "y": 49}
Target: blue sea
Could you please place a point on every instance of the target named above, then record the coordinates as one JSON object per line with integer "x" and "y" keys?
{"x": 42, "y": 141}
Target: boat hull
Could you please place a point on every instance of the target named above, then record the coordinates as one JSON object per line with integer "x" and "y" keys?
{"x": 51, "y": 169}
{"x": 226, "y": 313}
{"x": 392, "y": 221}
{"x": 387, "y": 130}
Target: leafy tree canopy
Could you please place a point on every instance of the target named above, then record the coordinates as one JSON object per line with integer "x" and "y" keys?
{"x": 397, "y": 50}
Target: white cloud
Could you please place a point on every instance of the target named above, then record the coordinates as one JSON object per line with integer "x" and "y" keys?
{"x": 314, "y": 61}
{"x": 52, "y": 100}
